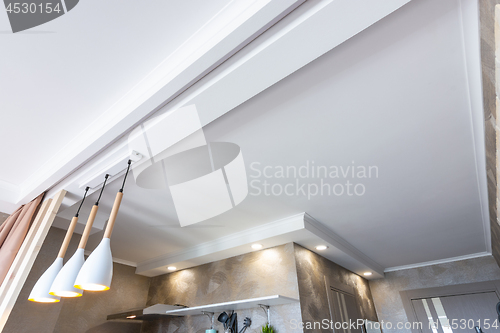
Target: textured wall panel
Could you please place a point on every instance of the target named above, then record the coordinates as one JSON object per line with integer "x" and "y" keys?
{"x": 256, "y": 274}
{"x": 490, "y": 101}
{"x": 311, "y": 271}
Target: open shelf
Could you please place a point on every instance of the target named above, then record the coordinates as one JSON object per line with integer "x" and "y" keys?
{"x": 162, "y": 310}
{"x": 236, "y": 305}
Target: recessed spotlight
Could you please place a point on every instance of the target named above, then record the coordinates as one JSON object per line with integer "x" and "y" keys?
{"x": 256, "y": 246}
{"x": 321, "y": 247}
{"x": 131, "y": 317}
{"x": 367, "y": 273}
{"x": 171, "y": 268}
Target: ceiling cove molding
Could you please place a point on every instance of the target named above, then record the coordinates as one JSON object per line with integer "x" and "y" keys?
{"x": 101, "y": 164}
{"x": 332, "y": 238}
{"x": 266, "y": 61}
{"x": 276, "y": 228}
{"x": 301, "y": 229}
{"x": 469, "y": 11}
{"x": 7, "y": 192}
{"x": 438, "y": 262}
{"x": 231, "y": 29}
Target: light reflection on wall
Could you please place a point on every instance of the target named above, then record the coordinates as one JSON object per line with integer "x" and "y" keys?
{"x": 255, "y": 274}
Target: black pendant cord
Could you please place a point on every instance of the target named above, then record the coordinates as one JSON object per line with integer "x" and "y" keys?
{"x": 126, "y": 174}
{"x": 83, "y": 200}
{"x": 102, "y": 189}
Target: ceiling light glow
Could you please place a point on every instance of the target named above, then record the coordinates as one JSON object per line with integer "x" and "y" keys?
{"x": 66, "y": 294}
{"x": 367, "y": 273}
{"x": 44, "y": 300}
{"x": 256, "y": 246}
{"x": 171, "y": 268}
{"x": 92, "y": 287}
{"x": 321, "y": 247}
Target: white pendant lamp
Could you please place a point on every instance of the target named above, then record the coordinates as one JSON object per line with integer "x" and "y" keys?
{"x": 97, "y": 272}
{"x": 40, "y": 292}
{"x": 63, "y": 285}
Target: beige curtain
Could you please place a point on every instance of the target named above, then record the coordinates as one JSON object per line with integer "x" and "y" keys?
{"x": 12, "y": 234}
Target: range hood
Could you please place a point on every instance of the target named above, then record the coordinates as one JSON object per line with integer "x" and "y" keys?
{"x": 149, "y": 313}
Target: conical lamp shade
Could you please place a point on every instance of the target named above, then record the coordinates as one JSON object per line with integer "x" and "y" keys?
{"x": 40, "y": 292}
{"x": 63, "y": 285}
{"x": 97, "y": 272}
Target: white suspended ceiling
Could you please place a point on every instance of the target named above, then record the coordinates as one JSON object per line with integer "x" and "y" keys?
{"x": 403, "y": 95}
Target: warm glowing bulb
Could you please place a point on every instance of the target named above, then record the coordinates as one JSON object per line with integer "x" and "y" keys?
{"x": 256, "y": 246}
{"x": 65, "y": 293}
{"x": 131, "y": 317}
{"x": 44, "y": 300}
{"x": 321, "y": 247}
{"x": 92, "y": 287}
{"x": 171, "y": 268}
{"x": 367, "y": 273}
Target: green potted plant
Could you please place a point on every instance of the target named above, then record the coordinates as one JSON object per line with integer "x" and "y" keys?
{"x": 268, "y": 329}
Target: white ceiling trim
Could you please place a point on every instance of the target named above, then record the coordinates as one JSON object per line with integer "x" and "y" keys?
{"x": 332, "y": 238}
{"x": 301, "y": 229}
{"x": 437, "y": 262}
{"x": 249, "y": 236}
{"x": 230, "y": 30}
{"x": 8, "y": 191}
{"x": 469, "y": 11}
